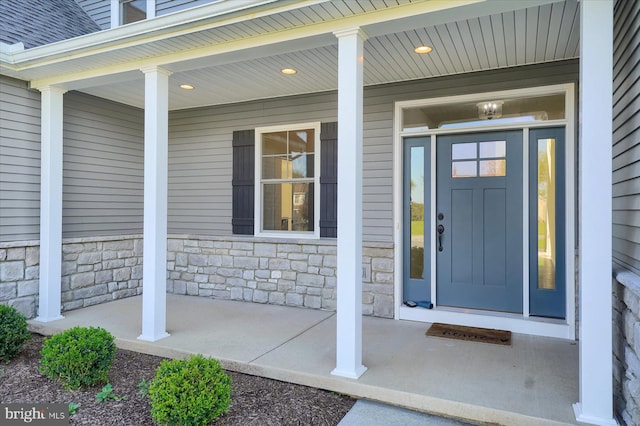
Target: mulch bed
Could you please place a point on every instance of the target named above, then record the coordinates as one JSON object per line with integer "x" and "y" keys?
{"x": 254, "y": 400}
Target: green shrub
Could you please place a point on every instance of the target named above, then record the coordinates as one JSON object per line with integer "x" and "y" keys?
{"x": 194, "y": 391}
{"x": 13, "y": 332}
{"x": 78, "y": 357}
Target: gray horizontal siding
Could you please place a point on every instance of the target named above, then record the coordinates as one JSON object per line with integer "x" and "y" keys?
{"x": 200, "y": 143}
{"x": 103, "y": 167}
{"x": 164, "y": 7}
{"x": 626, "y": 135}
{"x": 103, "y": 154}
{"x": 19, "y": 161}
{"x": 98, "y": 10}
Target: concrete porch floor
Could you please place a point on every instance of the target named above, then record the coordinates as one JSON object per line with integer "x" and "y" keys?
{"x": 532, "y": 382}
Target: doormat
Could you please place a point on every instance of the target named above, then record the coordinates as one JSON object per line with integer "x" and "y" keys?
{"x": 483, "y": 335}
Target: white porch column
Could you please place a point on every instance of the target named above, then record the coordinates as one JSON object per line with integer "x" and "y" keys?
{"x": 349, "y": 263}
{"x": 50, "y": 203}
{"x": 596, "y": 359}
{"x": 156, "y": 147}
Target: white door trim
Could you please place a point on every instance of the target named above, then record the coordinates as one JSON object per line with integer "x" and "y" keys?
{"x": 520, "y": 323}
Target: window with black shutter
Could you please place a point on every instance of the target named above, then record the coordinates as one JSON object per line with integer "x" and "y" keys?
{"x": 287, "y": 172}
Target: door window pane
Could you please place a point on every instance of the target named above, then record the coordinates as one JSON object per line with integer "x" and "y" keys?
{"x": 546, "y": 214}
{"x": 493, "y": 168}
{"x": 463, "y": 151}
{"x": 416, "y": 269}
{"x": 497, "y": 149}
{"x": 463, "y": 169}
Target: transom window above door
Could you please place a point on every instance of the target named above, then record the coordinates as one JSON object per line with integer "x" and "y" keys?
{"x": 491, "y": 111}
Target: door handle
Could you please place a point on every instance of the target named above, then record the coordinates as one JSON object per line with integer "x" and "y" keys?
{"x": 440, "y": 230}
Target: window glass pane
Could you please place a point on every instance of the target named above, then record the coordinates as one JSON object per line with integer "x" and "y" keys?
{"x": 301, "y": 141}
{"x": 463, "y": 151}
{"x": 302, "y": 218}
{"x": 493, "y": 168}
{"x": 274, "y": 167}
{"x": 302, "y": 165}
{"x": 416, "y": 269}
{"x": 274, "y": 143}
{"x": 288, "y": 207}
{"x": 462, "y": 169}
{"x": 546, "y": 214}
{"x": 525, "y": 109}
{"x": 133, "y": 10}
{"x": 277, "y": 208}
{"x": 493, "y": 149}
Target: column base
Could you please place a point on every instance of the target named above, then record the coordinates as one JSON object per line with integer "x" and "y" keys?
{"x": 153, "y": 338}
{"x": 585, "y": 418}
{"x": 48, "y": 319}
{"x": 349, "y": 374}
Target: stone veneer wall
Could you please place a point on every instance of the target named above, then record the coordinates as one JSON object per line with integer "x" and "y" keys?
{"x": 277, "y": 271}
{"x": 94, "y": 270}
{"x": 626, "y": 346}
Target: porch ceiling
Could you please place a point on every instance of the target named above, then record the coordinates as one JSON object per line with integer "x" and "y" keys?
{"x": 473, "y": 36}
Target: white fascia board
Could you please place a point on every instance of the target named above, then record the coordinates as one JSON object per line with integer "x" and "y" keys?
{"x": 8, "y": 49}
{"x": 6, "y": 53}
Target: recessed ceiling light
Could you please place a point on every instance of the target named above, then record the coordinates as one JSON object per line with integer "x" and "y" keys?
{"x": 288, "y": 71}
{"x": 422, "y": 49}
{"x": 186, "y": 86}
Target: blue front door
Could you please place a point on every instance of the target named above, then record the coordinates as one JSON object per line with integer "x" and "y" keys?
{"x": 479, "y": 221}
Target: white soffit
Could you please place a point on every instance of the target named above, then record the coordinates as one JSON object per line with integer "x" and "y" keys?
{"x": 526, "y": 36}
{"x": 465, "y": 39}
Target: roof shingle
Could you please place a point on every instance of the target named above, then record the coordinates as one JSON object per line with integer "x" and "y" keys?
{"x": 39, "y": 22}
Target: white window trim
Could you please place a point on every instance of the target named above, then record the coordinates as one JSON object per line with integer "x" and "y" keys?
{"x": 518, "y": 323}
{"x": 258, "y": 198}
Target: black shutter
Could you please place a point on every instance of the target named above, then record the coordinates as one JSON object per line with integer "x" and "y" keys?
{"x": 329, "y": 180}
{"x": 243, "y": 181}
